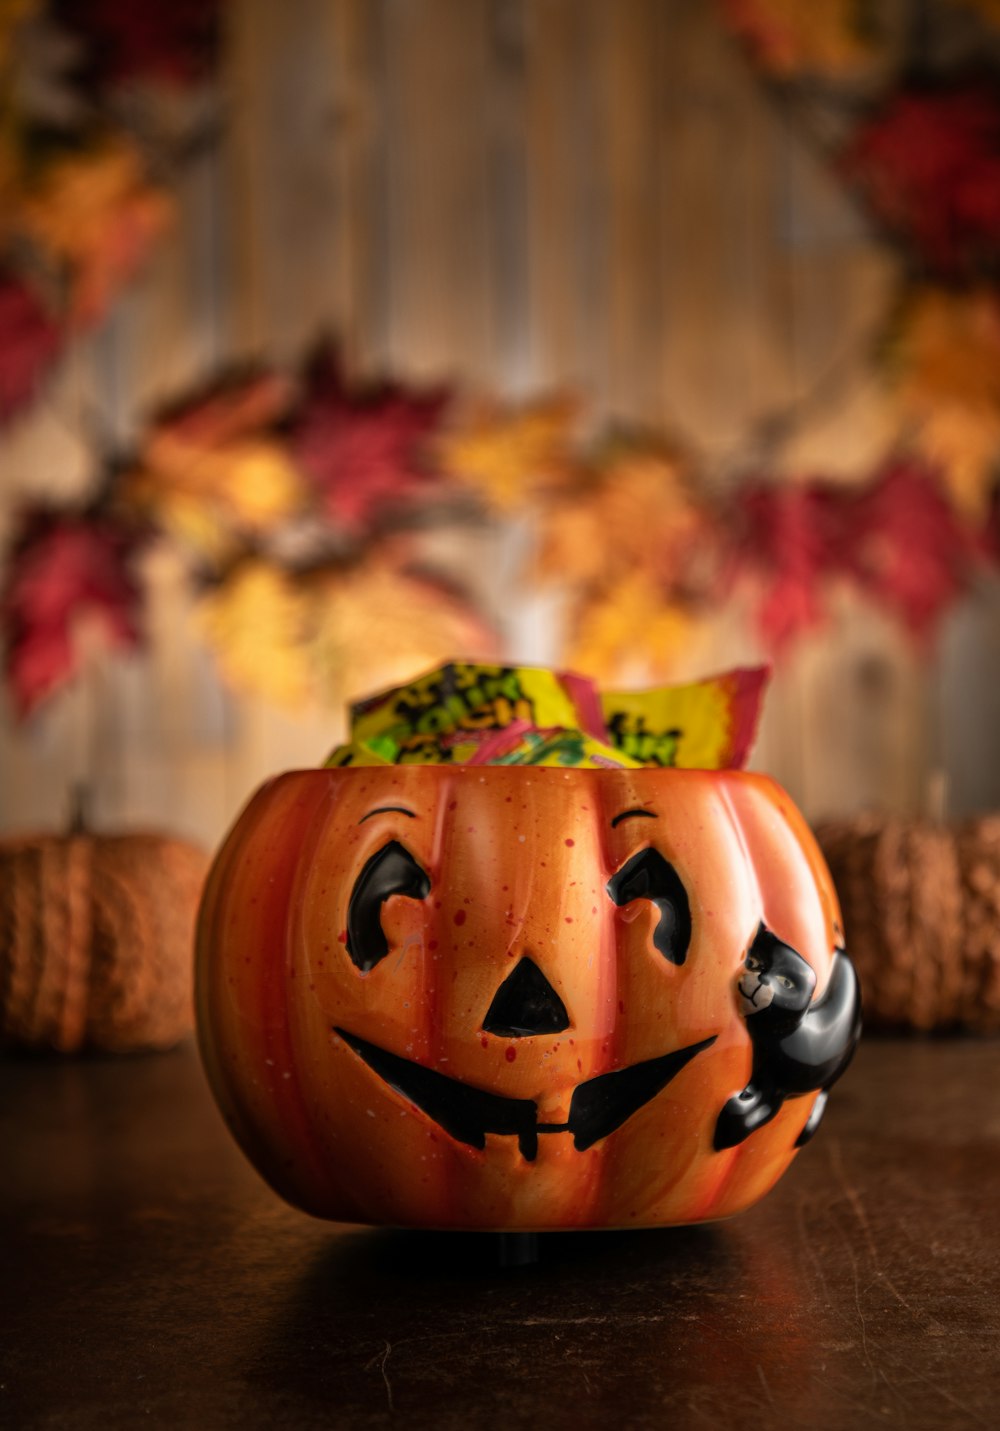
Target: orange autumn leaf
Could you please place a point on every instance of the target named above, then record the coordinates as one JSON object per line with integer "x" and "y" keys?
{"x": 789, "y": 37}
{"x": 634, "y": 510}
{"x": 215, "y": 467}
{"x": 259, "y": 623}
{"x": 97, "y": 214}
{"x": 507, "y": 455}
{"x": 945, "y": 354}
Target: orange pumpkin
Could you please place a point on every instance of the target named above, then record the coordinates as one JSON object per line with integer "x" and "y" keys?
{"x": 487, "y": 997}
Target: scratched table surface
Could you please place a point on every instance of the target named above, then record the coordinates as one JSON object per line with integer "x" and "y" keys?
{"x": 149, "y": 1279}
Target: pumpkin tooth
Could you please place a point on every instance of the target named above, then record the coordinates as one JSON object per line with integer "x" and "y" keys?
{"x": 467, "y": 1113}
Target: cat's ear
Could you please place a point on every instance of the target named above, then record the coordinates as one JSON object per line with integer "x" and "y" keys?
{"x": 754, "y": 957}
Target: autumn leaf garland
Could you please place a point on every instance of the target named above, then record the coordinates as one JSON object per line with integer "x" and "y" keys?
{"x": 641, "y": 550}
{"x": 286, "y": 490}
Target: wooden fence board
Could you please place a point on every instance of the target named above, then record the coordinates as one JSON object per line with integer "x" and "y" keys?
{"x": 521, "y": 194}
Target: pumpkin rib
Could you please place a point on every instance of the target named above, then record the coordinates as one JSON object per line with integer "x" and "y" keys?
{"x": 279, "y": 991}
{"x": 77, "y": 936}
{"x": 286, "y": 1110}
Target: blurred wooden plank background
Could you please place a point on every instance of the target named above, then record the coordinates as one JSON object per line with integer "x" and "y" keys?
{"x": 518, "y": 195}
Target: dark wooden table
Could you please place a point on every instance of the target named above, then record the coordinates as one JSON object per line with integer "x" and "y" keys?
{"x": 149, "y": 1279}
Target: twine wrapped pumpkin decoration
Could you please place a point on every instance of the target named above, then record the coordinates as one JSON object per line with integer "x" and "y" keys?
{"x": 921, "y": 906}
{"x": 95, "y": 940}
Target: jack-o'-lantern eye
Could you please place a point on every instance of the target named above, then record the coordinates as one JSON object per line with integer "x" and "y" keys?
{"x": 647, "y": 875}
{"x": 391, "y": 870}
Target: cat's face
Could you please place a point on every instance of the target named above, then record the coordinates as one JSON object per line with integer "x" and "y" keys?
{"x": 774, "y": 977}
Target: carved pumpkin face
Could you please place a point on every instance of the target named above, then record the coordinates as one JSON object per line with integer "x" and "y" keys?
{"x": 506, "y": 998}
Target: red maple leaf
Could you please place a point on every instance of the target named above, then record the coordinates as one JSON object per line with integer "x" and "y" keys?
{"x": 788, "y": 537}
{"x": 29, "y": 343}
{"x": 62, "y": 571}
{"x": 907, "y": 547}
{"x": 175, "y": 41}
{"x": 929, "y": 165}
{"x": 362, "y": 450}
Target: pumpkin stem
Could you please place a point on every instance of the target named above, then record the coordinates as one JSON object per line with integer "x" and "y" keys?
{"x": 79, "y": 808}
{"x": 936, "y": 796}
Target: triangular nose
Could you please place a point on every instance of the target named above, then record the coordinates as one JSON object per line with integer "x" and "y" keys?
{"x": 526, "y": 1004}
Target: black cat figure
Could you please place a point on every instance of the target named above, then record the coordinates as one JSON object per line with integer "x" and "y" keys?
{"x": 798, "y": 1046}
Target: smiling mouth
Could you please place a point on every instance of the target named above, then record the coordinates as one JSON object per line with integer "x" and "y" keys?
{"x": 597, "y": 1108}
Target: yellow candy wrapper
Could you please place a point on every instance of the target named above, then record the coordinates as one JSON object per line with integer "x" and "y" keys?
{"x": 522, "y": 744}
{"x": 707, "y": 725}
{"x": 444, "y": 716}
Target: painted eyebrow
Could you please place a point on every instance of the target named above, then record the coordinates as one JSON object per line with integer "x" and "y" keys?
{"x": 385, "y": 810}
{"x": 627, "y": 814}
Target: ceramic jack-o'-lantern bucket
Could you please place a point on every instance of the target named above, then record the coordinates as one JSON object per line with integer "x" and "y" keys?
{"x": 522, "y": 998}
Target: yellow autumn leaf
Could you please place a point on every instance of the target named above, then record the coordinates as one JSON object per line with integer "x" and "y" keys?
{"x": 253, "y": 480}
{"x": 507, "y": 455}
{"x": 185, "y": 518}
{"x": 945, "y": 356}
{"x": 327, "y": 636}
{"x": 259, "y": 622}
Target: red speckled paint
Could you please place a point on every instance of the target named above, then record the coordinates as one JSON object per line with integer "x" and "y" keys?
{"x": 275, "y": 982}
